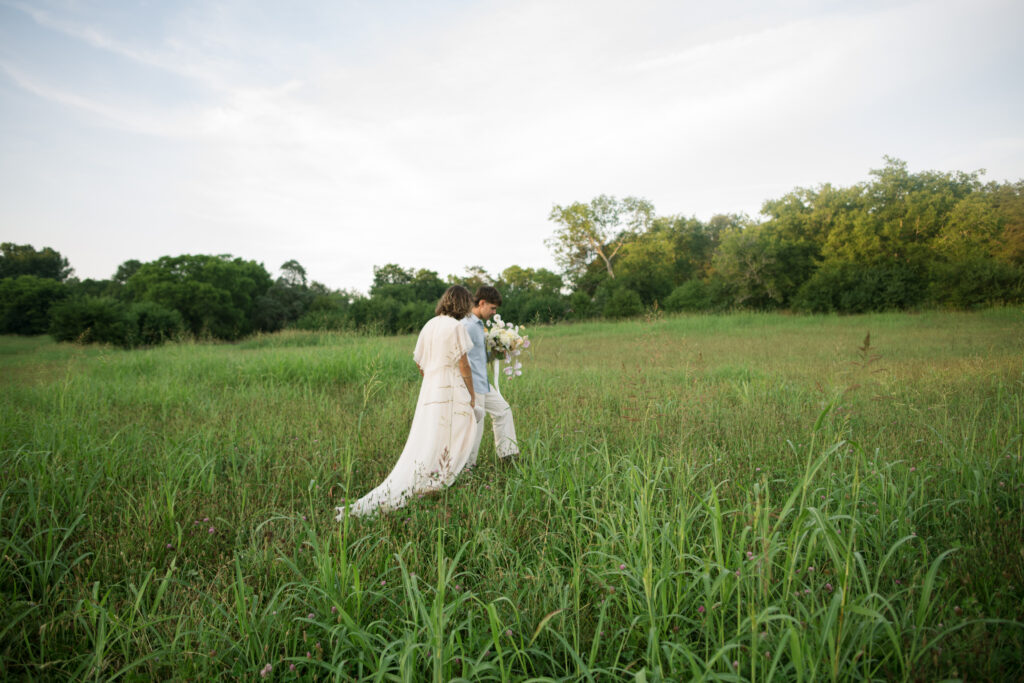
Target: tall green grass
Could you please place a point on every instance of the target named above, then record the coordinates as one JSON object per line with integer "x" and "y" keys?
{"x": 742, "y": 497}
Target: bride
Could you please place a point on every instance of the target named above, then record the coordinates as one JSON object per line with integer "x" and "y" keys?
{"x": 443, "y": 428}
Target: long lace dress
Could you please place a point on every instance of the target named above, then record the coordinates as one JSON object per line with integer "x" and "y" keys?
{"x": 443, "y": 427}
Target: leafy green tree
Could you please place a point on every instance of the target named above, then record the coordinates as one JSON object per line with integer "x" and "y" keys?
{"x": 427, "y": 287}
{"x": 647, "y": 266}
{"x": 1008, "y": 201}
{"x": 215, "y": 295}
{"x": 516, "y": 279}
{"x": 596, "y": 231}
{"x": 285, "y": 301}
{"x": 389, "y": 274}
{"x": 293, "y": 274}
{"x": 750, "y": 263}
{"x": 23, "y": 259}
{"x": 333, "y": 311}
{"x": 25, "y": 303}
{"x": 91, "y": 287}
{"x": 897, "y": 216}
{"x": 474, "y": 277}
{"x": 693, "y": 242}
{"x": 126, "y": 270}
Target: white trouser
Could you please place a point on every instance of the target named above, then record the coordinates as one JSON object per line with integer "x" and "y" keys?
{"x": 497, "y": 407}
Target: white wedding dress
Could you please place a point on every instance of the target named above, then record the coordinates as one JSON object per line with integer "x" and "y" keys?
{"x": 443, "y": 427}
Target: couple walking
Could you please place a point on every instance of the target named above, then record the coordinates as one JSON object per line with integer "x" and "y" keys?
{"x": 451, "y": 354}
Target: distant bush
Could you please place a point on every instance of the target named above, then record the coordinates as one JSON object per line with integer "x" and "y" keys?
{"x": 90, "y": 319}
{"x": 105, "y": 320}
{"x": 324, "y": 319}
{"x": 976, "y": 282}
{"x": 856, "y": 288}
{"x": 25, "y": 303}
{"x": 150, "y": 324}
{"x": 692, "y": 295}
{"x": 581, "y": 306}
{"x": 623, "y": 303}
{"x": 542, "y": 307}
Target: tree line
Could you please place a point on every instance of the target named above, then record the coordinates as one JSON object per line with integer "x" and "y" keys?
{"x": 898, "y": 241}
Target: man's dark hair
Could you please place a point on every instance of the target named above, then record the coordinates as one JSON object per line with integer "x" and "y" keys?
{"x": 488, "y": 294}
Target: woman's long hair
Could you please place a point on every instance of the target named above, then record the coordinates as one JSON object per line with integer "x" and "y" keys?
{"x": 455, "y": 302}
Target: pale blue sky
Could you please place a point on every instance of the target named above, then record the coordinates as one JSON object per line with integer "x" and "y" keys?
{"x": 439, "y": 134}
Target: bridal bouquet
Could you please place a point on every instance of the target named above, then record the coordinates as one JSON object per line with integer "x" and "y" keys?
{"x": 507, "y": 340}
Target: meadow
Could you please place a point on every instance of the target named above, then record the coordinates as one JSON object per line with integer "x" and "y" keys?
{"x": 734, "y": 497}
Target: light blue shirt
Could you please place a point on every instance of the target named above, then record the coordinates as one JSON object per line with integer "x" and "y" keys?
{"x": 477, "y": 356}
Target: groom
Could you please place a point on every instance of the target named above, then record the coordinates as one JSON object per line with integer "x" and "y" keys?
{"x": 485, "y": 304}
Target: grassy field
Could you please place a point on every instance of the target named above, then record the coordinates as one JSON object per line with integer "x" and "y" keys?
{"x": 741, "y": 497}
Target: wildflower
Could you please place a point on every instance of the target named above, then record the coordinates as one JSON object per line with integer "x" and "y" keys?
{"x": 700, "y": 610}
{"x": 737, "y": 573}
{"x": 735, "y": 664}
{"x": 622, "y": 566}
{"x": 757, "y": 469}
{"x": 334, "y": 609}
{"x": 807, "y": 591}
{"x": 898, "y": 582}
{"x": 750, "y": 555}
{"x": 810, "y": 569}
{"x": 913, "y": 469}
{"x": 206, "y": 519}
{"x": 508, "y": 633}
{"x": 266, "y": 670}
{"x": 310, "y": 615}
{"x": 303, "y": 518}
{"x": 828, "y": 587}
{"x": 211, "y": 530}
{"x": 382, "y": 582}
{"x": 291, "y": 667}
{"x": 170, "y": 545}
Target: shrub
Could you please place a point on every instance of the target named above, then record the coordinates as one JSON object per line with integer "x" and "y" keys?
{"x": 623, "y": 303}
{"x": 325, "y": 319}
{"x": 150, "y": 324}
{"x": 975, "y": 282}
{"x": 542, "y": 307}
{"x": 854, "y": 288}
{"x": 692, "y": 295}
{"x": 90, "y": 319}
{"x": 581, "y": 305}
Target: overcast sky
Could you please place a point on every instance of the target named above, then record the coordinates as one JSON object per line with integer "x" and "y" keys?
{"x": 348, "y": 134}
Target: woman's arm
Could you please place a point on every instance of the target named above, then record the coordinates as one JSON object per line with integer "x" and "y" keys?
{"x": 467, "y": 377}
